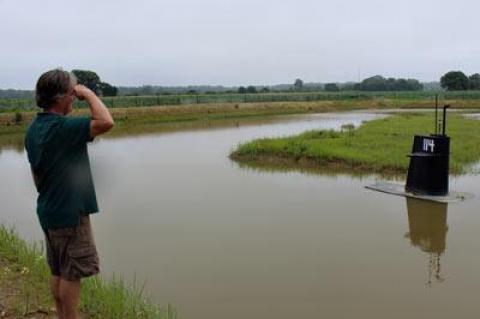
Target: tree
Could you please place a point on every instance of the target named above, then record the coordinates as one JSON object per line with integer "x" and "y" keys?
{"x": 298, "y": 84}
{"x": 331, "y": 87}
{"x": 242, "y": 90}
{"x": 251, "y": 89}
{"x": 92, "y": 81}
{"x": 374, "y": 83}
{"x": 402, "y": 85}
{"x": 474, "y": 81}
{"x": 88, "y": 78}
{"x": 379, "y": 83}
{"x": 146, "y": 90}
{"x": 414, "y": 85}
{"x": 107, "y": 89}
{"x": 454, "y": 81}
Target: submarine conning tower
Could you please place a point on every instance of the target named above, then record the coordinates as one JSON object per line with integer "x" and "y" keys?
{"x": 429, "y": 162}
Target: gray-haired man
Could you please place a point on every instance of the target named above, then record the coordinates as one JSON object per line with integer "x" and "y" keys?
{"x": 57, "y": 152}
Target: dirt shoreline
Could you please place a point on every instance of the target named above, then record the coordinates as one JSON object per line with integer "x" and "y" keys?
{"x": 307, "y": 165}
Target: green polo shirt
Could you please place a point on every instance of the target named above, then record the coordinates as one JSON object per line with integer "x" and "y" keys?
{"x": 58, "y": 155}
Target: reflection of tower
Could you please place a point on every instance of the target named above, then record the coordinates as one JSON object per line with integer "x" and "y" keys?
{"x": 428, "y": 230}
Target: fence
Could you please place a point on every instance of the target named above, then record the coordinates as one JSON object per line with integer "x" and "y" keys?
{"x": 135, "y": 101}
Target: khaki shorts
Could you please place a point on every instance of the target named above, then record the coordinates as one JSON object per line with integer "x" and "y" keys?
{"x": 71, "y": 252}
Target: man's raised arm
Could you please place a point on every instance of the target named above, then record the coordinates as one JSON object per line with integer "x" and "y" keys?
{"x": 102, "y": 120}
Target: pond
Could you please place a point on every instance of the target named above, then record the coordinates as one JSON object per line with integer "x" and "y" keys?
{"x": 221, "y": 241}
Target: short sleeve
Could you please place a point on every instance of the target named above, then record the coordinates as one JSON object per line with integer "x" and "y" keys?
{"x": 76, "y": 130}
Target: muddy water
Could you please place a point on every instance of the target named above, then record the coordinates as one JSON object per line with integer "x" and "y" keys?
{"x": 220, "y": 241}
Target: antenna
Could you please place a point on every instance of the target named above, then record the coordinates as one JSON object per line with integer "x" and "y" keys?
{"x": 444, "y": 124}
{"x": 436, "y": 114}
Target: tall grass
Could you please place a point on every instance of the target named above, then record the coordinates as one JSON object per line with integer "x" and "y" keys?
{"x": 24, "y": 265}
{"x": 114, "y": 299}
{"x": 376, "y": 146}
{"x": 25, "y": 273}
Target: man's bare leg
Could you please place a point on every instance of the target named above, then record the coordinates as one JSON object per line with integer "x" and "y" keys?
{"x": 55, "y": 288}
{"x": 69, "y": 293}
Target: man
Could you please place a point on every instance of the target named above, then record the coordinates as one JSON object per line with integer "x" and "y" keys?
{"x": 57, "y": 152}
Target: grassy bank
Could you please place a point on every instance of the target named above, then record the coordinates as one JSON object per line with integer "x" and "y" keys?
{"x": 24, "y": 288}
{"x": 378, "y": 146}
{"x": 13, "y": 125}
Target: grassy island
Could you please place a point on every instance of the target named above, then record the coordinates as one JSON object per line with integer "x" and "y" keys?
{"x": 379, "y": 146}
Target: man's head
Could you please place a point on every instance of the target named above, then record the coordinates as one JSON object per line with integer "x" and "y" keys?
{"x": 54, "y": 91}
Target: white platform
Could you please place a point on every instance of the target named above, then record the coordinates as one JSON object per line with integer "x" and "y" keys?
{"x": 399, "y": 190}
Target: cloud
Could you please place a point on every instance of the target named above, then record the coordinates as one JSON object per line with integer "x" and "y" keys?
{"x": 236, "y": 42}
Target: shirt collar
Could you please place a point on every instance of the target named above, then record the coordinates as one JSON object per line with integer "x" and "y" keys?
{"x": 47, "y": 114}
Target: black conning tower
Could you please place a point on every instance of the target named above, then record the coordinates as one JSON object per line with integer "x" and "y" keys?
{"x": 429, "y": 162}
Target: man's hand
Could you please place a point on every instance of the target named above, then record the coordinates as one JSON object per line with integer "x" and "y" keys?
{"x": 82, "y": 92}
{"x": 102, "y": 120}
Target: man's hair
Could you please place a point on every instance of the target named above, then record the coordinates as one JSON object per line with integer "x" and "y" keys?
{"x": 52, "y": 85}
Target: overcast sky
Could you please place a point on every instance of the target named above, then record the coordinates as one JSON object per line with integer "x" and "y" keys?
{"x": 222, "y": 42}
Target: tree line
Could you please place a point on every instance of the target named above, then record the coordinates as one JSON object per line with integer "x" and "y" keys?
{"x": 379, "y": 83}
{"x": 450, "y": 81}
{"x": 374, "y": 83}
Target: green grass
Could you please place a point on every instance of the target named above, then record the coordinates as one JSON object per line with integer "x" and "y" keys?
{"x": 24, "y": 287}
{"x": 378, "y": 146}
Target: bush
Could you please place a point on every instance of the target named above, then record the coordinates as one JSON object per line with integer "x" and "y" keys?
{"x": 18, "y": 118}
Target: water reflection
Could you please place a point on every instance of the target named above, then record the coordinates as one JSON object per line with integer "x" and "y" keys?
{"x": 274, "y": 165}
{"x": 428, "y": 228}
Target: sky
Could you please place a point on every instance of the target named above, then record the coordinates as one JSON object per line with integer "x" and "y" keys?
{"x": 233, "y": 42}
